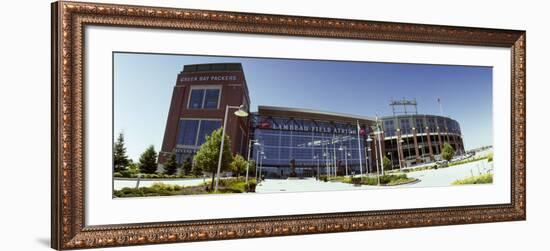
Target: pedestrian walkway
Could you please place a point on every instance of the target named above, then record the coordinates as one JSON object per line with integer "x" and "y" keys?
{"x": 428, "y": 178}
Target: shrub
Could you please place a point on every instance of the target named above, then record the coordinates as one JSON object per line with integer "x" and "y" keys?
{"x": 157, "y": 189}
{"x": 235, "y": 185}
{"x": 447, "y": 152}
{"x": 386, "y": 162}
{"x": 252, "y": 185}
{"x": 126, "y": 174}
{"x": 186, "y": 167}
{"x": 238, "y": 165}
{"x": 356, "y": 180}
{"x": 164, "y": 186}
{"x": 385, "y": 179}
{"x": 388, "y": 180}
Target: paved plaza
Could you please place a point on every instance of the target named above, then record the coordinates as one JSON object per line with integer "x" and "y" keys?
{"x": 427, "y": 178}
{"x": 445, "y": 176}
{"x": 304, "y": 185}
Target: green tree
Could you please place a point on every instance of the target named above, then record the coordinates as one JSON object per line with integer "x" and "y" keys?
{"x": 148, "y": 160}
{"x": 387, "y": 163}
{"x": 171, "y": 166}
{"x": 251, "y": 168}
{"x": 133, "y": 168}
{"x": 448, "y": 152}
{"x": 207, "y": 156}
{"x": 120, "y": 159}
{"x": 238, "y": 165}
{"x": 187, "y": 167}
{"x": 196, "y": 170}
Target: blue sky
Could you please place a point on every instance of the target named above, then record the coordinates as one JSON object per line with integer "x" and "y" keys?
{"x": 143, "y": 88}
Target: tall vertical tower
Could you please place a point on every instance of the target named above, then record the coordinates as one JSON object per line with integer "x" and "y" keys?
{"x": 197, "y": 108}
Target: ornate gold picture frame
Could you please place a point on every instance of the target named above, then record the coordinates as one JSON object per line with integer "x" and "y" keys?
{"x": 69, "y": 20}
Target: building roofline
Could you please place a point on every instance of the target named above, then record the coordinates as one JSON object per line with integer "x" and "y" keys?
{"x": 414, "y": 115}
{"x": 213, "y": 67}
{"x": 316, "y": 112}
{"x": 342, "y": 115}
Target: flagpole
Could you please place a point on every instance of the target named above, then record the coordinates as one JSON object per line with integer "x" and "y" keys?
{"x": 359, "y": 150}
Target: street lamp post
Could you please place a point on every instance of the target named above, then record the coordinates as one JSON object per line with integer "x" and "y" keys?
{"x": 261, "y": 164}
{"x": 326, "y": 163}
{"x": 257, "y": 165}
{"x": 369, "y": 163}
{"x": 376, "y": 162}
{"x": 380, "y": 150}
{"x": 391, "y": 157}
{"x": 400, "y": 161}
{"x": 369, "y": 140}
{"x": 379, "y": 136}
{"x": 261, "y": 156}
{"x": 248, "y": 163}
{"x": 348, "y": 155}
{"x": 239, "y": 113}
{"x": 335, "y": 161}
{"x": 318, "y": 164}
{"x": 344, "y": 148}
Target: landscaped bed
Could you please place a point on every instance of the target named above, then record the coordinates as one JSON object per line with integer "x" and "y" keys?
{"x": 385, "y": 180}
{"x": 480, "y": 179}
{"x": 231, "y": 185}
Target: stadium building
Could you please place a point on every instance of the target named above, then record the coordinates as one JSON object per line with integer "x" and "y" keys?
{"x": 299, "y": 142}
{"x": 302, "y": 142}
{"x": 415, "y": 139}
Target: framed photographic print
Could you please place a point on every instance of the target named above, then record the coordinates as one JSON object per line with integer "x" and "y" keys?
{"x": 176, "y": 125}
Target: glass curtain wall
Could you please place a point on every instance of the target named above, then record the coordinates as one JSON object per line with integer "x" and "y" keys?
{"x": 309, "y": 144}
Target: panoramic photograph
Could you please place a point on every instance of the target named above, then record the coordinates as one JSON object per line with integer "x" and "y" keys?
{"x": 200, "y": 125}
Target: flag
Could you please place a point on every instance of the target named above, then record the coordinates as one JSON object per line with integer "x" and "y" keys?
{"x": 265, "y": 124}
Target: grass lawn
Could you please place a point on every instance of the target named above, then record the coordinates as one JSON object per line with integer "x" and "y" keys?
{"x": 480, "y": 179}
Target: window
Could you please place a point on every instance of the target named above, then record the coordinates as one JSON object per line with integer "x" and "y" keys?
{"x": 389, "y": 129}
{"x": 441, "y": 124}
{"x": 211, "y": 98}
{"x": 431, "y": 125}
{"x": 405, "y": 126}
{"x": 419, "y": 125}
{"x": 193, "y": 132}
{"x": 204, "y": 98}
{"x": 196, "y": 99}
{"x": 206, "y": 128}
{"x": 188, "y": 132}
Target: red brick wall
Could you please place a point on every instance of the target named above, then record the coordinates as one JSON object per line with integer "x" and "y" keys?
{"x": 233, "y": 92}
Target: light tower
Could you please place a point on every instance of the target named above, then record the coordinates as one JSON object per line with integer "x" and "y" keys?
{"x": 400, "y": 106}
